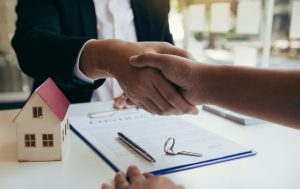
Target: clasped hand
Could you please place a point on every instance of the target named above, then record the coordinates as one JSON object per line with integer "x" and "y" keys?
{"x": 146, "y": 87}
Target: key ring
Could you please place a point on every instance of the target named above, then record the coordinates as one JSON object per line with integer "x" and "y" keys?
{"x": 169, "y": 150}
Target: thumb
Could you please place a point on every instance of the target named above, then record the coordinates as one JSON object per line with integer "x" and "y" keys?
{"x": 177, "y": 52}
{"x": 176, "y": 69}
{"x": 148, "y": 59}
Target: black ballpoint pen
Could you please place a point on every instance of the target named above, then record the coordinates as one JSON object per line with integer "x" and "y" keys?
{"x": 136, "y": 147}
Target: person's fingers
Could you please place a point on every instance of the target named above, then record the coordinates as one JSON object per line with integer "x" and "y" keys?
{"x": 149, "y": 59}
{"x": 148, "y": 175}
{"x": 141, "y": 106}
{"x": 123, "y": 102}
{"x": 120, "y": 181}
{"x": 179, "y": 52}
{"x": 119, "y": 105}
{"x": 159, "y": 100}
{"x": 145, "y": 102}
{"x": 129, "y": 102}
{"x": 106, "y": 186}
{"x": 167, "y": 48}
{"x": 129, "y": 106}
{"x": 120, "y": 102}
{"x": 178, "y": 104}
{"x": 151, "y": 105}
{"x": 176, "y": 69}
{"x": 134, "y": 174}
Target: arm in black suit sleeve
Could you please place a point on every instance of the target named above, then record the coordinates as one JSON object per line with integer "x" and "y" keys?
{"x": 167, "y": 34}
{"x": 41, "y": 49}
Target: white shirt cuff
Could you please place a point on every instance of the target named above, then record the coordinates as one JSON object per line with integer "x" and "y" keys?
{"x": 77, "y": 72}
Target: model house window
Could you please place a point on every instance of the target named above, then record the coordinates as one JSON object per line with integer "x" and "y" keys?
{"x": 29, "y": 140}
{"x": 63, "y": 136}
{"x": 37, "y": 112}
{"x": 47, "y": 140}
{"x": 66, "y": 129}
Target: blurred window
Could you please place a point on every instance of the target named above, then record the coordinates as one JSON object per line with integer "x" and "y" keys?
{"x": 241, "y": 32}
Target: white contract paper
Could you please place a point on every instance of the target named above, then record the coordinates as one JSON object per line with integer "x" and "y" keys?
{"x": 151, "y": 132}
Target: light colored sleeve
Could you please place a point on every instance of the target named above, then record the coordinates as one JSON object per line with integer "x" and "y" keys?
{"x": 77, "y": 72}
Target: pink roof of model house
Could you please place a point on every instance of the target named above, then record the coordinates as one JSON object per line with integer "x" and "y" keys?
{"x": 54, "y": 98}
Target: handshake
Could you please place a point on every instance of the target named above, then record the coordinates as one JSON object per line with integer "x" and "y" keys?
{"x": 165, "y": 80}
{"x": 154, "y": 76}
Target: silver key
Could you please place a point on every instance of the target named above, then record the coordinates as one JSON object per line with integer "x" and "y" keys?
{"x": 169, "y": 149}
{"x": 189, "y": 153}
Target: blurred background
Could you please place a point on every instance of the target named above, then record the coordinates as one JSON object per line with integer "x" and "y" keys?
{"x": 261, "y": 33}
{"x": 261, "y": 25}
{"x": 14, "y": 86}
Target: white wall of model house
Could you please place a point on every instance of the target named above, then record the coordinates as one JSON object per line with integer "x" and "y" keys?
{"x": 47, "y": 124}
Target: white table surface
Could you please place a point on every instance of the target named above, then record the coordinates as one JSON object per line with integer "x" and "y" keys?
{"x": 276, "y": 166}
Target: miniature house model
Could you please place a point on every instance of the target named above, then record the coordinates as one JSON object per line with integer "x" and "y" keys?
{"x": 42, "y": 125}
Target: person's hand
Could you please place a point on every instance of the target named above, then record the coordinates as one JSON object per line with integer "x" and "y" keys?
{"x": 183, "y": 72}
{"x": 122, "y": 102}
{"x": 146, "y": 88}
{"x": 135, "y": 180}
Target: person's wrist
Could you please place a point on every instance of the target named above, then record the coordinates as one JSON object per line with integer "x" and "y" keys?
{"x": 118, "y": 53}
{"x": 93, "y": 60}
{"x": 203, "y": 83}
{"x": 87, "y": 62}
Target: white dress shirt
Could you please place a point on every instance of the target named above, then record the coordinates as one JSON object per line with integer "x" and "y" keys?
{"x": 115, "y": 20}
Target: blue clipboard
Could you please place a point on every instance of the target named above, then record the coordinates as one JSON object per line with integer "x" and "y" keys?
{"x": 173, "y": 169}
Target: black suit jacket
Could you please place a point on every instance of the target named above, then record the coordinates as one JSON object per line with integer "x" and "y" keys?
{"x": 50, "y": 34}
